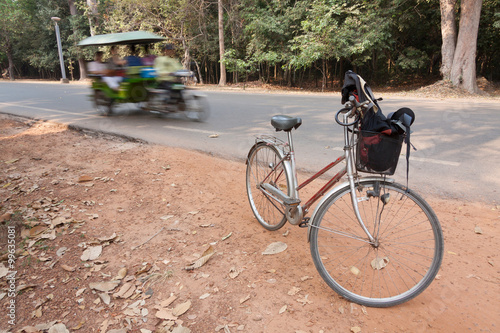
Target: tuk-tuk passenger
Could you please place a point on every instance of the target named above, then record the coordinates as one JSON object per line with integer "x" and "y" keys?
{"x": 148, "y": 59}
{"x": 97, "y": 67}
{"x": 116, "y": 63}
{"x": 133, "y": 59}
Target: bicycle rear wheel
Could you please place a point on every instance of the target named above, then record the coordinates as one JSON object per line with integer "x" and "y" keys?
{"x": 398, "y": 266}
{"x": 263, "y": 164}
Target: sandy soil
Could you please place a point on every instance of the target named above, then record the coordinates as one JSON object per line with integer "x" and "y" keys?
{"x": 106, "y": 227}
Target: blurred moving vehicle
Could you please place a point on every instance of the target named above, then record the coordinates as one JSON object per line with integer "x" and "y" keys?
{"x": 141, "y": 85}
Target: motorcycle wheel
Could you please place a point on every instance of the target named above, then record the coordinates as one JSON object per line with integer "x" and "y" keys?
{"x": 102, "y": 103}
{"x": 196, "y": 108}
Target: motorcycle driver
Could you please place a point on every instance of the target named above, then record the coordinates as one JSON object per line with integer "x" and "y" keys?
{"x": 166, "y": 65}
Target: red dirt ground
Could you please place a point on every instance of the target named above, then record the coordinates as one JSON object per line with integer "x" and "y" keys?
{"x": 166, "y": 207}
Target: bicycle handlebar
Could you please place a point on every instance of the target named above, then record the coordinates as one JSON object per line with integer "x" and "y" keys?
{"x": 356, "y": 104}
{"x": 351, "y": 109}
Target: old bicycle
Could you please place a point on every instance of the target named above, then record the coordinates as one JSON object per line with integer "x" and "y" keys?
{"x": 373, "y": 241}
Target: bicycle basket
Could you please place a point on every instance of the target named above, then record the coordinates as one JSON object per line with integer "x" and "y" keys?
{"x": 377, "y": 152}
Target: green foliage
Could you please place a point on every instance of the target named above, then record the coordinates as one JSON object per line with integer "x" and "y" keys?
{"x": 412, "y": 59}
{"x": 11, "y": 29}
{"x": 488, "y": 47}
{"x": 285, "y": 40}
{"x": 235, "y": 64}
{"x": 269, "y": 27}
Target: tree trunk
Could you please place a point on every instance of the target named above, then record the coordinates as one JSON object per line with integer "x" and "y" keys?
{"x": 222, "y": 81}
{"x": 449, "y": 36}
{"x": 199, "y": 71}
{"x": 187, "y": 55}
{"x": 83, "y": 68}
{"x": 323, "y": 73}
{"x": 11, "y": 62}
{"x": 92, "y": 4}
{"x": 81, "y": 62}
{"x": 463, "y": 71}
{"x": 72, "y": 7}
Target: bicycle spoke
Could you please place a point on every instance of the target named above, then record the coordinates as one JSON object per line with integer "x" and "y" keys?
{"x": 343, "y": 234}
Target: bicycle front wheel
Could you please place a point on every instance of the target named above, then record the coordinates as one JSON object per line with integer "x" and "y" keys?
{"x": 264, "y": 164}
{"x": 401, "y": 262}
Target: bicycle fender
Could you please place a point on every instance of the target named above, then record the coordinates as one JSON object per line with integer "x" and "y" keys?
{"x": 333, "y": 191}
{"x": 259, "y": 141}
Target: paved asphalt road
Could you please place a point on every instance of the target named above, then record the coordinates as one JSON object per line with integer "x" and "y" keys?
{"x": 458, "y": 141}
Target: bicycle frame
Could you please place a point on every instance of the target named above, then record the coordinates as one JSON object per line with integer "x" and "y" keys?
{"x": 288, "y": 162}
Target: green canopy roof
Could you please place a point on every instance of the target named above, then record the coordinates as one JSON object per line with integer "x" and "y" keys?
{"x": 133, "y": 37}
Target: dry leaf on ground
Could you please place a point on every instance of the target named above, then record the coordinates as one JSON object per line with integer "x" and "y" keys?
{"x": 233, "y": 272}
{"x": 80, "y": 291}
{"x": 35, "y": 231}
{"x": 181, "y": 329}
{"x": 91, "y": 253}
{"x": 68, "y": 268}
{"x": 58, "y": 328}
{"x": 165, "y": 314}
{"x": 206, "y": 295}
{"x": 181, "y": 308}
{"x": 243, "y": 300}
{"x": 293, "y": 291}
{"x": 57, "y": 221}
{"x": 209, "y": 252}
{"x": 125, "y": 291}
{"x": 107, "y": 239}
{"x": 144, "y": 269}
{"x": 121, "y": 273}
{"x": 3, "y": 270}
{"x": 304, "y": 300}
{"x": 168, "y": 301}
{"x": 105, "y": 298}
{"x": 379, "y": 263}
{"x": 61, "y": 251}
{"x": 83, "y": 179}
{"x": 275, "y": 248}
{"x": 104, "y": 286}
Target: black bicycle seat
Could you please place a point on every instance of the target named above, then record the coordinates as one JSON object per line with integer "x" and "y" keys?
{"x": 285, "y": 123}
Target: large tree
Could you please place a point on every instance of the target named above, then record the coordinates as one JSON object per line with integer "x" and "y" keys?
{"x": 77, "y": 34}
{"x": 10, "y": 30}
{"x": 222, "y": 81}
{"x": 459, "y": 51}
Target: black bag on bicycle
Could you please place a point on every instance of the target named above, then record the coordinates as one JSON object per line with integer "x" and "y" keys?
{"x": 379, "y": 138}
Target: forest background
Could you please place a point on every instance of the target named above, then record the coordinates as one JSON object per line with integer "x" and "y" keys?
{"x": 293, "y": 43}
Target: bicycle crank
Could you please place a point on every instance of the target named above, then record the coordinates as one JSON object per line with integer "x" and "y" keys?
{"x": 294, "y": 214}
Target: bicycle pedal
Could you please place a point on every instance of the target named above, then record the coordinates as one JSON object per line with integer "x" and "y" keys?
{"x": 304, "y": 223}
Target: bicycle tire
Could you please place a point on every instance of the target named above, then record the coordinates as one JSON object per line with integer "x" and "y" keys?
{"x": 402, "y": 265}
{"x": 261, "y": 159}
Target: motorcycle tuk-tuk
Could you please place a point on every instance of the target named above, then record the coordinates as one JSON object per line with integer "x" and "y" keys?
{"x": 140, "y": 84}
